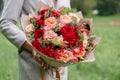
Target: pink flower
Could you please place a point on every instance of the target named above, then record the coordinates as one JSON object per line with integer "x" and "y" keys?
{"x": 64, "y": 56}
{"x": 46, "y": 28}
{"x": 61, "y": 25}
{"x": 49, "y": 36}
{"x": 74, "y": 59}
{"x": 51, "y": 22}
{"x": 65, "y": 19}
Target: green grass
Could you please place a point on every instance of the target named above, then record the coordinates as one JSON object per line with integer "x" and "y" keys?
{"x": 8, "y": 60}
{"x": 107, "y": 53}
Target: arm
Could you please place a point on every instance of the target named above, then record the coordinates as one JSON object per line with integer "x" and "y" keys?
{"x": 9, "y": 18}
{"x": 1, "y": 6}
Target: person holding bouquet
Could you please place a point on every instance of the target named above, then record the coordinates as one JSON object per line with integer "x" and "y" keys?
{"x": 28, "y": 67}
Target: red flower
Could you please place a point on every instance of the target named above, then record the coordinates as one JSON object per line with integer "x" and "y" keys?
{"x": 79, "y": 51}
{"x": 74, "y": 59}
{"x": 71, "y": 39}
{"x": 56, "y": 13}
{"x": 38, "y": 33}
{"x": 76, "y": 28}
{"x": 69, "y": 35}
{"x": 37, "y": 45}
{"x": 49, "y": 52}
{"x": 66, "y": 29}
{"x": 40, "y": 17}
{"x": 40, "y": 22}
{"x": 43, "y": 11}
{"x": 87, "y": 32}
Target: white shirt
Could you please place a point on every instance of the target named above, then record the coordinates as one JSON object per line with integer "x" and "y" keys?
{"x": 65, "y": 3}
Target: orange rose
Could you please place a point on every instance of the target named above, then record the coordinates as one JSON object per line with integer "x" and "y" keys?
{"x": 64, "y": 56}
{"x": 65, "y": 19}
{"x": 51, "y": 22}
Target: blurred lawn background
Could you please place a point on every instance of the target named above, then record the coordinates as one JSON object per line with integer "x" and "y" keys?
{"x": 107, "y": 53}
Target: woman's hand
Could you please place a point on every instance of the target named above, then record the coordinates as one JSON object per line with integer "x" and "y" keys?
{"x": 27, "y": 46}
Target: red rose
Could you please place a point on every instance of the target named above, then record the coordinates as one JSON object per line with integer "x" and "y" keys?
{"x": 56, "y": 13}
{"x": 43, "y": 11}
{"x": 40, "y": 22}
{"x": 38, "y": 33}
{"x": 40, "y": 17}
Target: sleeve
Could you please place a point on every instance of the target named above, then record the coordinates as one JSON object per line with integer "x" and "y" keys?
{"x": 9, "y": 18}
{"x": 1, "y": 6}
{"x": 65, "y": 3}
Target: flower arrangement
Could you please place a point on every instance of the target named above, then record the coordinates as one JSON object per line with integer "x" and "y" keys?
{"x": 59, "y": 34}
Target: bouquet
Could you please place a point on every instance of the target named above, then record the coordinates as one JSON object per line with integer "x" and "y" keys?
{"x": 60, "y": 37}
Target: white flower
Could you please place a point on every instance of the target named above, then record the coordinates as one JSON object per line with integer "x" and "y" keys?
{"x": 29, "y": 28}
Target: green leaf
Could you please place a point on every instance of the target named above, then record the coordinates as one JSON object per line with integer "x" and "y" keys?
{"x": 33, "y": 21}
{"x": 82, "y": 38}
{"x": 56, "y": 29}
{"x": 47, "y": 14}
{"x": 72, "y": 24}
{"x": 56, "y": 43}
{"x": 31, "y": 37}
{"x": 66, "y": 10}
{"x": 82, "y": 58}
{"x": 74, "y": 19}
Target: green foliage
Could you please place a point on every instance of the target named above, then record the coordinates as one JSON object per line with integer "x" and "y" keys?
{"x": 33, "y": 21}
{"x": 83, "y": 5}
{"x": 108, "y": 7}
{"x": 66, "y": 10}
